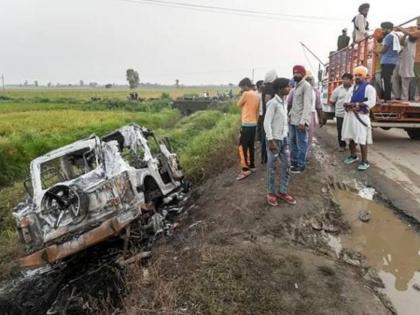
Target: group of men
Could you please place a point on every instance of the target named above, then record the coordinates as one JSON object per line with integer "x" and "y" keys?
{"x": 396, "y": 74}
{"x": 286, "y": 112}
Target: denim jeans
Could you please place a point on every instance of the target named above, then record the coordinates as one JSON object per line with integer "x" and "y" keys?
{"x": 283, "y": 155}
{"x": 298, "y": 145}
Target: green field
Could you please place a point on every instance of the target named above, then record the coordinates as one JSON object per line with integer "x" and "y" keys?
{"x": 31, "y": 126}
{"x": 116, "y": 92}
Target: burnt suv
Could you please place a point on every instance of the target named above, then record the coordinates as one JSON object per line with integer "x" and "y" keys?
{"x": 92, "y": 189}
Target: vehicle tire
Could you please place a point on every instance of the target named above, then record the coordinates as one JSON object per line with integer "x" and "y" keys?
{"x": 385, "y": 128}
{"x": 413, "y": 133}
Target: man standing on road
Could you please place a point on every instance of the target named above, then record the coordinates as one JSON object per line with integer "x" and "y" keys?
{"x": 266, "y": 95}
{"x": 390, "y": 57}
{"x": 361, "y": 97}
{"x": 249, "y": 104}
{"x": 315, "y": 114}
{"x": 300, "y": 118}
{"x": 338, "y": 98}
{"x": 276, "y": 129}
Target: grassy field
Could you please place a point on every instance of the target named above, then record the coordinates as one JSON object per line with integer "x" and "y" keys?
{"x": 30, "y": 128}
{"x": 117, "y": 92}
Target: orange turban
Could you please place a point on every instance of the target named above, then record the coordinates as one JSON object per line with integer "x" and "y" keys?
{"x": 361, "y": 70}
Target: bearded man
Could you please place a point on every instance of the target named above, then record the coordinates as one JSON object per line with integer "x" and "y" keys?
{"x": 361, "y": 97}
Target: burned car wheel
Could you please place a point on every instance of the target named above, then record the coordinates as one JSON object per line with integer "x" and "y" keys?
{"x": 64, "y": 205}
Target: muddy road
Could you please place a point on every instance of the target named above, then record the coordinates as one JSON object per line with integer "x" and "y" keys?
{"x": 230, "y": 253}
{"x": 395, "y": 160}
{"x": 390, "y": 241}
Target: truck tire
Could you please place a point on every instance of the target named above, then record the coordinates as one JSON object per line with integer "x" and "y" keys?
{"x": 413, "y": 133}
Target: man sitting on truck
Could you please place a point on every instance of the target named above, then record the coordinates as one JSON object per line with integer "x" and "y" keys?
{"x": 361, "y": 97}
{"x": 343, "y": 40}
{"x": 338, "y": 98}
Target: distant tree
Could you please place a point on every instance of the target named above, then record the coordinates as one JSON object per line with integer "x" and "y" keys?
{"x": 177, "y": 83}
{"x": 25, "y": 83}
{"x": 132, "y": 78}
{"x": 81, "y": 83}
{"x": 36, "y": 83}
{"x": 49, "y": 84}
{"x": 108, "y": 86}
{"x": 93, "y": 84}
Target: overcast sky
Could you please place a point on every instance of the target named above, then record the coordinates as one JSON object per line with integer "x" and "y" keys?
{"x": 97, "y": 40}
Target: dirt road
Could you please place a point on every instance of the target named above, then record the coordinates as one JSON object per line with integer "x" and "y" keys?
{"x": 395, "y": 160}
{"x": 233, "y": 254}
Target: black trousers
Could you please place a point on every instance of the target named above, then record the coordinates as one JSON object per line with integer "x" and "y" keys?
{"x": 340, "y": 120}
{"x": 262, "y": 139}
{"x": 386, "y": 73}
{"x": 246, "y": 147}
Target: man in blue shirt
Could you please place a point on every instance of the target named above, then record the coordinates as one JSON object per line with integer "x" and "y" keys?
{"x": 390, "y": 57}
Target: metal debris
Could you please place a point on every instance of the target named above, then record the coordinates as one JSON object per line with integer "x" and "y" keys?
{"x": 94, "y": 188}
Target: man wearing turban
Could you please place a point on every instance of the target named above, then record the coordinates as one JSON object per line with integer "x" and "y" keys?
{"x": 361, "y": 25}
{"x": 300, "y": 119}
{"x": 356, "y": 124}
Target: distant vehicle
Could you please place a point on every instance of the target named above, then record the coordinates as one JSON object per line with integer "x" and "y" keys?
{"x": 392, "y": 114}
{"x": 87, "y": 191}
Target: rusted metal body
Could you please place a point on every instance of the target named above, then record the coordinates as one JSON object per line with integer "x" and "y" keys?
{"x": 391, "y": 114}
{"x": 92, "y": 189}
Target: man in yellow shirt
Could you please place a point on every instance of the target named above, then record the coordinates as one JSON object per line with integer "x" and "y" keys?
{"x": 249, "y": 103}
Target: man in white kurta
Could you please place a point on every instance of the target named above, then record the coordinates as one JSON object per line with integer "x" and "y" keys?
{"x": 356, "y": 124}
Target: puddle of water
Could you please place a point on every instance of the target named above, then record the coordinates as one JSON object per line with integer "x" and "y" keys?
{"x": 390, "y": 246}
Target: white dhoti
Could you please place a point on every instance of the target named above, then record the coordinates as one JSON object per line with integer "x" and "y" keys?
{"x": 354, "y": 130}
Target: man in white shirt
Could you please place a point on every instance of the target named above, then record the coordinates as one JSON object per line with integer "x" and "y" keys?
{"x": 361, "y": 25}
{"x": 361, "y": 97}
{"x": 276, "y": 130}
{"x": 338, "y": 98}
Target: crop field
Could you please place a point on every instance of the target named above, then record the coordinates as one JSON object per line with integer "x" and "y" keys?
{"x": 30, "y": 126}
{"x": 86, "y": 93}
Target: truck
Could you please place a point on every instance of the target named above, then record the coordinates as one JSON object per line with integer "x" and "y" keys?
{"x": 385, "y": 115}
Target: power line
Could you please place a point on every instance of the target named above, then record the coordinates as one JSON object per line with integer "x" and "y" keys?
{"x": 233, "y": 11}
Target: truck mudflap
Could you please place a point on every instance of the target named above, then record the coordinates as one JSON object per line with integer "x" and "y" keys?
{"x": 55, "y": 252}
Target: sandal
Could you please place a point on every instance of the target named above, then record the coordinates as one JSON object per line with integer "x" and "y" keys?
{"x": 287, "y": 198}
{"x": 272, "y": 199}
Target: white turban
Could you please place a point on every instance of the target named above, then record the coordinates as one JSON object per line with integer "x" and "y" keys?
{"x": 270, "y": 76}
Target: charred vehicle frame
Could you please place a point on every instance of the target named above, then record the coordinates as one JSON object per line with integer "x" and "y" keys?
{"x": 92, "y": 189}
